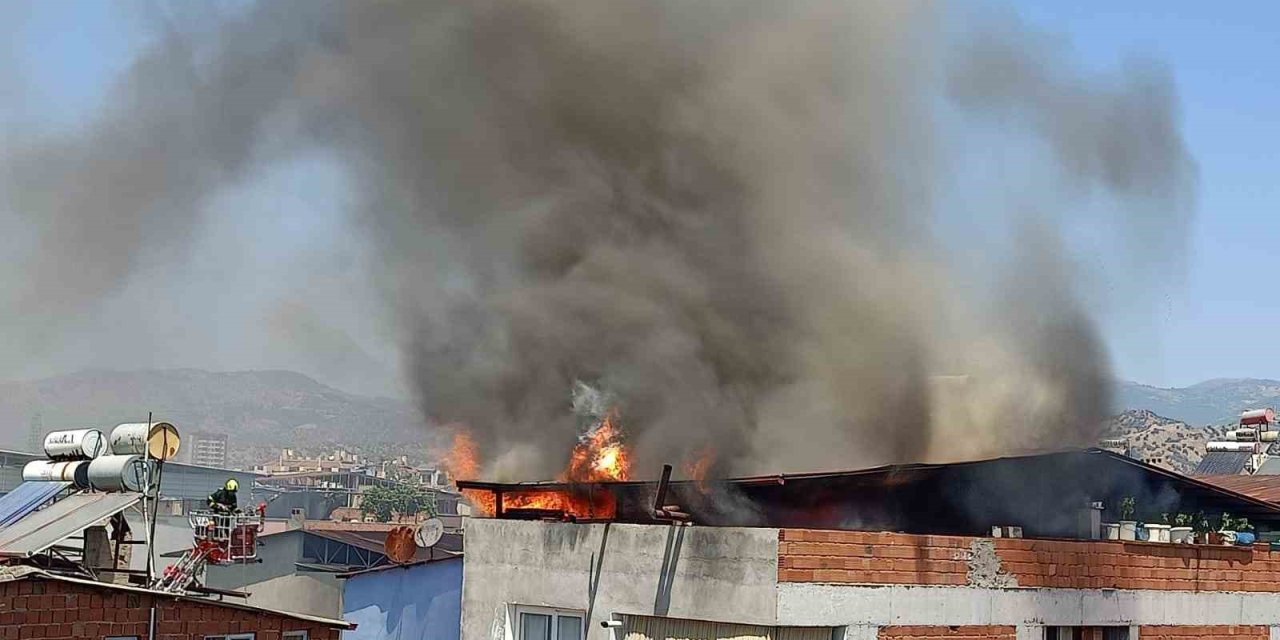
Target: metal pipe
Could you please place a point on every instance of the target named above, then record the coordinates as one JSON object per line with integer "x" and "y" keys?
{"x": 661, "y": 510}
{"x": 660, "y": 500}
{"x": 131, "y": 572}
{"x": 155, "y": 496}
{"x": 147, "y": 530}
{"x": 151, "y": 624}
{"x": 219, "y": 592}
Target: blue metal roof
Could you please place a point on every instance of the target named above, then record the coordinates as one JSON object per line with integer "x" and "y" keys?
{"x": 25, "y": 498}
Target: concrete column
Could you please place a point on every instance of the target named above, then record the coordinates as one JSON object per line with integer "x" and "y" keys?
{"x": 97, "y": 550}
{"x": 872, "y": 632}
{"x": 1030, "y": 632}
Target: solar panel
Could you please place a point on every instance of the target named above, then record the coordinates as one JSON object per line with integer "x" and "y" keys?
{"x": 63, "y": 519}
{"x": 25, "y": 498}
{"x": 1222, "y": 463}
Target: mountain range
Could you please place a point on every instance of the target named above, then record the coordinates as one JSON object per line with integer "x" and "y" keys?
{"x": 263, "y": 411}
{"x": 1162, "y": 441}
{"x": 269, "y": 408}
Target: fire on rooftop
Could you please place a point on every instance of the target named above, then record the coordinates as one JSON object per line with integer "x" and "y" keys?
{"x": 1050, "y": 495}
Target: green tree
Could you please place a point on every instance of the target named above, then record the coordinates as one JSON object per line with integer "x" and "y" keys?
{"x": 383, "y": 503}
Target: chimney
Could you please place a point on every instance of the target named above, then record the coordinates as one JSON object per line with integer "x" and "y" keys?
{"x": 297, "y": 518}
{"x": 1090, "y": 522}
{"x": 97, "y": 549}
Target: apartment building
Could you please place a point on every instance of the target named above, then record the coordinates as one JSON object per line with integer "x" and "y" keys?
{"x": 209, "y": 450}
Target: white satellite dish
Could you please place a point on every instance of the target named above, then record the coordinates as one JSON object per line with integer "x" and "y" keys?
{"x": 428, "y": 533}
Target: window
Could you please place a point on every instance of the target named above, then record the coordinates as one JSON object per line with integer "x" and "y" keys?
{"x": 294, "y": 635}
{"x": 548, "y": 624}
{"x": 234, "y": 636}
{"x": 663, "y": 628}
{"x": 1086, "y": 633}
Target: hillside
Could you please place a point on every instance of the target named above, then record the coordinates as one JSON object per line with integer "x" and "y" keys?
{"x": 264, "y": 410}
{"x": 1166, "y": 442}
{"x": 1217, "y": 401}
{"x": 271, "y": 408}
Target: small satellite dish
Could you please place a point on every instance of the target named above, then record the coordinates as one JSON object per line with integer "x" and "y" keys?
{"x": 399, "y": 545}
{"x": 428, "y": 533}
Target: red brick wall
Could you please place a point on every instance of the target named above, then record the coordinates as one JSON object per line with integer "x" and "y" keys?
{"x": 806, "y": 555}
{"x": 967, "y": 632}
{"x": 37, "y": 608}
{"x": 878, "y": 558}
{"x": 1207, "y": 633}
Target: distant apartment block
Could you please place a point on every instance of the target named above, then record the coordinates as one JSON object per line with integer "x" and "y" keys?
{"x": 209, "y": 450}
{"x": 292, "y": 461}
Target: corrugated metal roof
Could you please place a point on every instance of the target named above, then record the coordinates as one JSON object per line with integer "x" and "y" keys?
{"x": 374, "y": 541}
{"x": 440, "y": 556}
{"x": 61, "y": 520}
{"x": 783, "y": 478}
{"x": 1262, "y": 487}
{"x": 25, "y": 498}
{"x": 1024, "y": 486}
{"x": 1219, "y": 463}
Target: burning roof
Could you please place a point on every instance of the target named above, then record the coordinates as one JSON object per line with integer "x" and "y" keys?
{"x": 599, "y": 456}
{"x": 1042, "y": 493}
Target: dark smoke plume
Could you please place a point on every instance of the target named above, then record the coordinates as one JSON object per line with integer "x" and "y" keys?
{"x": 720, "y": 213}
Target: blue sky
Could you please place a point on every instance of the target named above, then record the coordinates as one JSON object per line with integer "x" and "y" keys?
{"x": 1224, "y": 58}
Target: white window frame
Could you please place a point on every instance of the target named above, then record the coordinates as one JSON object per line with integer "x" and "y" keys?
{"x": 555, "y": 614}
{"x": 295, "y": 635}
{"x": 233, "y": 636}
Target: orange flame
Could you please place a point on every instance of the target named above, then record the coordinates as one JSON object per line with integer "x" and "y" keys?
{"x": 599, "y": 455}
{"x": 482, "y": 500}
{"x": 580, "y": 503}
{"x": 463, "y": 460}
{"x": 696, "y": 469}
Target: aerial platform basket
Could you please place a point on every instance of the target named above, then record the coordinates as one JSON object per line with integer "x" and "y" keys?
{"x": 220, "y": 539}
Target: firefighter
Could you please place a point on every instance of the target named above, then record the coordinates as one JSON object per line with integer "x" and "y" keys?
{"x": 224, "y": 500}
{"x": 224, "y": 505}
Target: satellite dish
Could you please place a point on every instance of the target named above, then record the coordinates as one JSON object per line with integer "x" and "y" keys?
{"x": 428, "y": 533}
{"x": 399, "y": 545}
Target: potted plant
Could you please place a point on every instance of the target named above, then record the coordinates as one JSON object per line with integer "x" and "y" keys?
{"x": 1180, "y": 533}
{"x": 1244, "y": 532}
{"x": 1227, "y": 530}
{"x": 1110, "y": 531}
{"x": 1142, "y": 534}
{"x": 1128, "y": 526}
{"x": 1159, "y": 532}
{"x": 1204, "y": 529}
